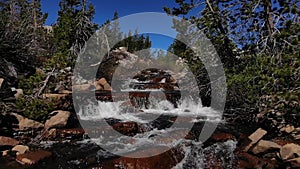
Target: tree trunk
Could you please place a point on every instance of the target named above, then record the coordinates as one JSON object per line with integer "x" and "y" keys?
{"x": 269, "y": 17}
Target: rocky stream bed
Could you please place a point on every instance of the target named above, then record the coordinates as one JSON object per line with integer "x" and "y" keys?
{"x": 141, "y": 127}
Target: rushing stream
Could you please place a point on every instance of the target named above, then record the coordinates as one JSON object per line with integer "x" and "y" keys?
{"x": 158, "y": 129}
{"x": 146, "y": 123}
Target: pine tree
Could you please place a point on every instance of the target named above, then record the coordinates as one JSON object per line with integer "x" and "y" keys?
{"x": 21, "y": 37}
{"x": 73, "y": 28}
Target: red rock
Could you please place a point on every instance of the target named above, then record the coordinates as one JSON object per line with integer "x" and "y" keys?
{"x": 282, "y": 142}
{"x": 166, "y": 160}
{"x": 221, "y": 137}
{"x": 33, "y": 157}
{"x": 7, "y": 141}
{"x": 127, "y": 128}
{"x": 248, "y": 161}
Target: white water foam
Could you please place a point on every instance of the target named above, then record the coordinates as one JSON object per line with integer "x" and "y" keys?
{"x": 195, "y": 155}
{"x": 186, "y": 108}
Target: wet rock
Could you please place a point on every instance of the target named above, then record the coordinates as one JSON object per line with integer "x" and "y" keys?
{"x": 264, "y": 146}
{"x": 7, "y": 141}
{"x": 127, "y": 128}
{"x": 221, "y": 137}
{"x": 25, "y": 123}
{"x": 20, "y": 149}
{"x": 58, "y": 134}
{"x": 59, "y": 120}
{"x": 165, "y": 160}
{"x": 33, "y": 157}
{"x": 73, "y": 133}
{"x": 174, "y": 136}
{"x": 290, "y": 151}
{"x": 255, "y": 137}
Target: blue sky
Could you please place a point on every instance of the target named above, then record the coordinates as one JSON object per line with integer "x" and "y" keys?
{"x": 105, "y": 10}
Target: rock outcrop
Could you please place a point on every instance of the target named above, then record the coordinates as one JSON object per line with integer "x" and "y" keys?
{"x": 33, "y": 157}
{"x": 20, "y": 149}
{"x": 290, "y": 151}
{"x": 263, "y": 146}
{"x": 25, "y": 123}
{"x": 58, "y": 120}
{"x": 7, "y": 141}
{"x": 255, "y": 137}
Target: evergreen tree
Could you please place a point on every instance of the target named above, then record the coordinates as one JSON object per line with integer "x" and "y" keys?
{"x": 265, "y": 34}
{"x": 21, "y": 37}
{"x": 73, "y": 28}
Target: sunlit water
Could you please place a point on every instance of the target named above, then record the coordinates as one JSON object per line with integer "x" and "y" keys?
{"x": 188, "y": 108}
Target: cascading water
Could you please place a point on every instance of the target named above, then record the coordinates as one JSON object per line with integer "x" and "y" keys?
{"x": 196, "y": 156}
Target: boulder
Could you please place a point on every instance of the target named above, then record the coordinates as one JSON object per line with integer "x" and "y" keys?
{"x": 7, "y": 141}
{"x": 1, "y": 81}
{"x": 221, "y": 137}
{"x": 255, "y": 137}
{"x": 287, "y": 129}
{"x": 295, "y": 162}
{"x": 290, "y": 151}
{"x": 263, "y": 146}
{"x": 25, "y": 123}
{"x": 33, "y": 157}
{"x": 20, "y": 149}
{"x": 246, "y": 160}
{"x": 168, "y": 159}
{"x": 127, "y": 128}
{"x": 59, "y": 120}
{"x": 98, "y": 86}
{"x": 104, "y": 84}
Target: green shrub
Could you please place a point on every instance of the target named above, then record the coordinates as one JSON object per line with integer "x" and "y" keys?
{"x": 31, "y": 84}
{"x": 35, "y": 108}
